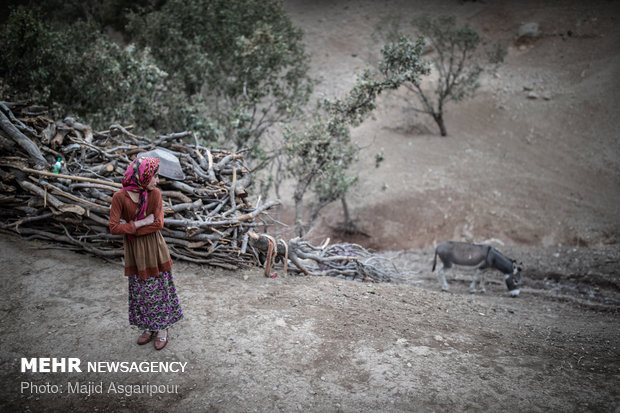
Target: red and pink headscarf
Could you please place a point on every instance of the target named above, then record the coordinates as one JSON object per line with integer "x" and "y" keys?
{"x": 137, "y": 176}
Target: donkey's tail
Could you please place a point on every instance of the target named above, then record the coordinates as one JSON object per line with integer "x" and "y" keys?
{"x": 434, "y": 260}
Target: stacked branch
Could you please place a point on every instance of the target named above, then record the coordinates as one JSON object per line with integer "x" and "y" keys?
{"x": 347, "y": 261}
{"x": 206, "y": 217}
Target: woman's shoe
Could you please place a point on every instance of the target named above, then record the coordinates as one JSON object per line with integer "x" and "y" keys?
{"x": 160, "y": 342}
{"x": 145, "y": 337}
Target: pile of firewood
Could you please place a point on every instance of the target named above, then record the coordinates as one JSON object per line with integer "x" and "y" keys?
{"x": 207, "y": 215}
{"x": 347, "y": 261}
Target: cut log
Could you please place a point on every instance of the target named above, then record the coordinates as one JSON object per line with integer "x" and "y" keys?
{"x": 22, "y": 140}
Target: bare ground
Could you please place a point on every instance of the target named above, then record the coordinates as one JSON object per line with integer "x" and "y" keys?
{"x": 321, "y": 344}
{"x": 537, "y": 177}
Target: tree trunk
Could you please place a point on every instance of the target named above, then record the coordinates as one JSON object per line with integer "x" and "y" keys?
{"x": 442, "y": 126}
{"x": 298, "y": 197}
{"x": 348, "y": 225}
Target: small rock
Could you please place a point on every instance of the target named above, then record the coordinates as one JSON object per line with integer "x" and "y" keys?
{"x": 528, "y": 31}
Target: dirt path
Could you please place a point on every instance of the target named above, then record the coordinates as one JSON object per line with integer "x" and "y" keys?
{"x": 308, "y": 344}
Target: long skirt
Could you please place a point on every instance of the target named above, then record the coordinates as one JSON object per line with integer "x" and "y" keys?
{"x": 153, "y": 302}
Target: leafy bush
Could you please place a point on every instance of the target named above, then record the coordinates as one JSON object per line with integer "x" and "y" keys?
{"x": 229, "y": 70}
{"x": 243, "y": 58}
{"x": 81, "y": 71}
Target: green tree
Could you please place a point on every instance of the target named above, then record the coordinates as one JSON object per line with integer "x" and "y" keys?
{"x": 319, "y": 156}
{"x": 81, "y": 71}
{"x": 104, "y": 13}
{"x": 228, "y": 70}
{"x": 242, "y": 59}
{"x": 453, "y": 56}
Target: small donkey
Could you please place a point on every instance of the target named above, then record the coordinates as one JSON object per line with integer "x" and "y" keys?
{"x": 480, "y": 256}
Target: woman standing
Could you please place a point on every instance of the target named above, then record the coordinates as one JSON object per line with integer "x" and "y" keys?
{"x": 137, "y": 213}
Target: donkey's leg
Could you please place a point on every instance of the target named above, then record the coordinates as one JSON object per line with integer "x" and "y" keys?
{"x": 478, "y": 279}
{"x": 472, "y": 286}
{"x": 481, "y": 281}
{"x": 442, "y": 279}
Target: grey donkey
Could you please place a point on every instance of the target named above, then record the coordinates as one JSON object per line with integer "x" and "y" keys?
{"x": 480, "y": 256}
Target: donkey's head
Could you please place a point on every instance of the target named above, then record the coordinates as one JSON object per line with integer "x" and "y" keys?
{"x": 514, "y": 279}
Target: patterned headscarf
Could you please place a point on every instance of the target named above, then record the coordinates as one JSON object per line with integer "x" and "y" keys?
{"x": 137, "y": 176}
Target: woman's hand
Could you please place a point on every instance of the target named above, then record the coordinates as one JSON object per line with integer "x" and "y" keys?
{"x": 148, "y": 220}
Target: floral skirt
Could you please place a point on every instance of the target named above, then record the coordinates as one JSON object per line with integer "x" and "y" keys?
{"x": 153, "y": 302}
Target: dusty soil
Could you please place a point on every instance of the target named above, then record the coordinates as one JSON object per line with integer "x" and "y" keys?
{"x": 533, "y": 159}
{"x": 321, "y": 344}
{"x": 538, "y": 178}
